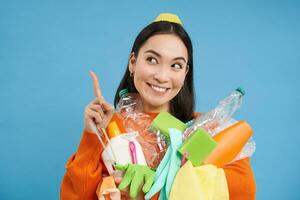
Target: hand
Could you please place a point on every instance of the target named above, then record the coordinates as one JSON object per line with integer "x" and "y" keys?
{"x": 136, "y": 175}
{"x": 97, "y": 113}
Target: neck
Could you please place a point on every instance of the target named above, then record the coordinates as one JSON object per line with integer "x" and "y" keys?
{"x": 155, "y": 109}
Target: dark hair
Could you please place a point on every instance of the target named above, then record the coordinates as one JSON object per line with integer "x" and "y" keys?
{"x": 182, "y": 105}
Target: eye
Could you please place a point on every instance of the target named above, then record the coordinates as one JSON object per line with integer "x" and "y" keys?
{"x": 152, "y": 60}
{"x": 176, "y": 66}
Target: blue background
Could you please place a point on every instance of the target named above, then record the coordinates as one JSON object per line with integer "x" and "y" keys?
{"x": 48, "y": 47}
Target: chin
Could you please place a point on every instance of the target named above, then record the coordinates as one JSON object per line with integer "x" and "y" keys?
{"x": 156, "y": 103}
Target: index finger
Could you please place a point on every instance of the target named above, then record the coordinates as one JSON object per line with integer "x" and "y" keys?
{"x": 97, "y": 90}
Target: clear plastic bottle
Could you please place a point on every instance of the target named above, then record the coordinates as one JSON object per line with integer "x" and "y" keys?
{"x": 215, "y": 120}
{"x": 219, "y": 118}
{"x": 130, "y": 108}
{"x": 129, "y": 103}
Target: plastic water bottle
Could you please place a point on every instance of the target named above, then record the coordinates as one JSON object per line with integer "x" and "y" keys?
{"x": 217, "y": 118}
{"x": 131, "y": 109}
{"x": 129, "y": 103}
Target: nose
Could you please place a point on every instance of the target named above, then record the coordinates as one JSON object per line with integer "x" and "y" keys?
{"x": 162, "y": 75}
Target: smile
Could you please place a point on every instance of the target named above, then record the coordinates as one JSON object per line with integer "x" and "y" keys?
{"x": 157, "y": 88}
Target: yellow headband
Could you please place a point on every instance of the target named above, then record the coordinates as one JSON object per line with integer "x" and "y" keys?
{"x": 169, "y": 17}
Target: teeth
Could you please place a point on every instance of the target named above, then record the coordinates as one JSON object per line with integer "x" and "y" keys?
{"x": 159, "y": 89}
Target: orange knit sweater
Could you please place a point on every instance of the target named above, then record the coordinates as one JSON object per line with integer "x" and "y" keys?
{"x": 85, "y": 169}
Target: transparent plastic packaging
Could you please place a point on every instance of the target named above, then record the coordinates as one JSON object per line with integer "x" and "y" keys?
{"x": 220, "y": 118}
{"x": 154, "y": 146}
{"x": 215, "y": 119}
{"x": 134, "y": 119}
{"x": 130, "y": 108}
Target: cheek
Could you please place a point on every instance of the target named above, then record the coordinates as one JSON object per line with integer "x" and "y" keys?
{"x": 142, "y": 72}
{"x": 178, "y": 80}
{"x": 140, "y": 76}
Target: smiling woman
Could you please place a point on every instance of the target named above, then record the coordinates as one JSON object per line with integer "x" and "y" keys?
{"x": 160, "y": 70}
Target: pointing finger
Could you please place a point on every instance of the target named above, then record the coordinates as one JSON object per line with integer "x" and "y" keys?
{"x": 97, "y": 90}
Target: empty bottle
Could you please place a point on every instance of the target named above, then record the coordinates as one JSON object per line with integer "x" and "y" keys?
{"x": 131, "y": 109}
{"x": 219, "y": 116}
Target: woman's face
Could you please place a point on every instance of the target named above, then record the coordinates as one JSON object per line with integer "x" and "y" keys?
{"x": 159, "y": 70}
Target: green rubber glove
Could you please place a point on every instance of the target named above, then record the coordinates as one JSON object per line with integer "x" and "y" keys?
{"x": 168, "y": 167}
{"x": 136, "y": 175}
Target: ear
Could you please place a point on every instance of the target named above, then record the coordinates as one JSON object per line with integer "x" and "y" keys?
{"x": 132, "y": 61}
{"x": 187, "y": 69}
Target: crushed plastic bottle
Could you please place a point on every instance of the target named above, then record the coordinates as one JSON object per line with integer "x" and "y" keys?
{"x": 129, "y": 103}
{"x": 216, "y": 118}
{"x": 130, "y": 108}
{"x": 220, "y": 118}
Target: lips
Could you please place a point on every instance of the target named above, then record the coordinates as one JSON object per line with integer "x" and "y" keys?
{"x": 158, "y": 89}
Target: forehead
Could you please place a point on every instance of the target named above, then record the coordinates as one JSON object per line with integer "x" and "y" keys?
{"x": 167, "y": 45}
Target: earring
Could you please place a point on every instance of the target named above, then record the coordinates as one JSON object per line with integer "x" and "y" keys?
{"x": 131, "y": 74}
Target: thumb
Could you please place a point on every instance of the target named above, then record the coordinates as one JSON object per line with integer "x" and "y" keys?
{"x": 107, "y": 106}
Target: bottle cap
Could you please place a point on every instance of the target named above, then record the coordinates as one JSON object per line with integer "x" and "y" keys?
{"x": 113, "y": 129}
{"x": 123, "y": 92}
{"x": 241, "y": 90}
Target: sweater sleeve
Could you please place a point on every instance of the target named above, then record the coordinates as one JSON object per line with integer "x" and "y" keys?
{"x": 240, "y": 180}
{"x": 83, "y": 170}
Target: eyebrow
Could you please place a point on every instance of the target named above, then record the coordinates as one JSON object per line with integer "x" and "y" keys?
{"x": 157, "y": 54}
